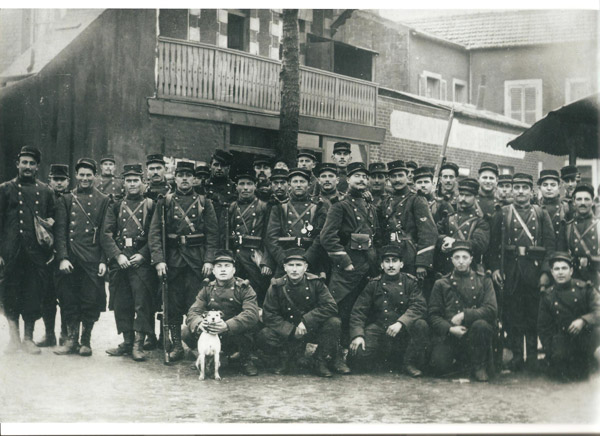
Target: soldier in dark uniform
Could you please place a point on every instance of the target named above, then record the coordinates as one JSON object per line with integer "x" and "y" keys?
{"x": 108, "y": 184}
{"x": 155, "y": 173}
{"x": 504, "y": 190}
{"x": 237, "y": 300}
{"x": 299, "y": 309}
{"x": 348, "y": 238}
{"x": 488, "y": 181}
{"x": 448, "y": 182}
{"x": 549, "y": 185}
{"x": 342, "y": 157}
{"x": 569, "y": 175}
{"x": 219, "y": 188}
{"x": 133, "y": 281}
{"x": 279, "y": 186}
{"x": 22, "y": 257}
{"x": 411, "y": 166}
{"x": 79, "y": 249}
{"x": 263, "y": 167}
{"x": 580, "y": 236}
{"x": 296, "y": 223}
{"x": 568, "y": 321}
{"x": 389, "y": 318}
{"x": 377, "y": 182}
{"x": 59, "y": 183}
{"x": 328, "y": 181}
{"x": 406, "y": 220}
{"x": 307, "y": 159}
{"x": 524, "y": 232}
{"x": 201, "y": 175}
{"x": 423, "y": 182}
{"x": 247, "y": 227}
{"x": 462, "y": 313}
{"x": 467, "y": 224}
{"x": 192, "y": 238}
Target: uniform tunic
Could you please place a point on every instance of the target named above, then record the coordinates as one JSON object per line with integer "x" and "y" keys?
{"x": 440, "y": 209}
{"x": 79, "y": 219}
{"x": 126, "y": 229}
{"x": 580, "y": 238}
{"x": 558, "y": 212}
{"x": 111, "y": 186}
{"x": 486, "y": 203}
{"x": 221, "y": 191}
{"x": 25, "y": 270}
{"x": 342, "y": 185}
{"x": 154, "y": 190}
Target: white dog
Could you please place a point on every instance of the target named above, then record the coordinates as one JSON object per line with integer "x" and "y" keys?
{"x": 209, "y": 344}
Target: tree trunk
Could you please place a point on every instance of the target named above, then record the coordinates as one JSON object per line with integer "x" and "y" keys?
{"x": 287, "y": 145}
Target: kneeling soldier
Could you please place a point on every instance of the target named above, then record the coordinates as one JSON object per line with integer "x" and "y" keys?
{"x": 133, "y": 283}
{"x": 568, "y": 320}
{"x": 462, "y": 313}
{"x": 388, "y": 317}
{"x": 237, "y": 300}
{"x": 299, "y": 309}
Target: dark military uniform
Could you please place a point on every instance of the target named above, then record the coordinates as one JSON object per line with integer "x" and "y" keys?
{"x": 333, "y": 196}
{"x": 560, "y": 305}
{"x": 248, "y": 224}
{"x": 288, "y": 304}
{"x": 126, "y": 229}
{"x": 406, "y": 220}
{"x": 524, "y": 260}
{"x": 26, "y": 274}
{"x": 385, "y": 301}
{"x": 558, "y": 212}
{"x": 154, "y": 190}
{"x": 342, "y": 185}
{"x": 440, "y": 208}
{"x": 472, "y": 293}
{"x": 111, "y": 186}
{"x": 486, "y": 203}
{"x": 580, "y": 237}
{"x": 221, "y": 191}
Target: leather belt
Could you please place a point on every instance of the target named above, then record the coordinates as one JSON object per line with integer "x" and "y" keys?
{"x": 186, "y": 240}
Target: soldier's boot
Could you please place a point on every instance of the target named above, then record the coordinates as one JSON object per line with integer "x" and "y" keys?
{"x": 177, "y": 352}
{"x": 339, "y": 362}
{"x": 71, "y": 344}
{"x": 138, "y": 347}
{"x": 532, "y": 353}
{"x": 247, "y": 365}
{"x": 321, "y": 368}
{"x": 408, "y": 365}
{"x": 28, "y": 346}
{"x": 283, "y": 363}
{"x": 14, "y": 344}
{"x": 63, "y": 332}
{"x": 124, "y": 348}
{"x": 86, "y": 337}
{"x": 49, "y": 339}
{"x": 150, "y": 342}
{"x": 481, "y": 374}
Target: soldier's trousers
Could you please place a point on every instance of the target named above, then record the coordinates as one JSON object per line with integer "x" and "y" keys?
{"x": 326, "y": 338}
{"x": 473, "y": 348}
{"x": 24, "y": 288}
{"x": 520, "y": 316}
{"x": 407, "y": 347}
{"x": 184, "y": 284}
{"x": 572, "y": 356}
{"x": 82, "y": 293}
{"x": 132, "y": 290}
{"x": 247, "y": 269}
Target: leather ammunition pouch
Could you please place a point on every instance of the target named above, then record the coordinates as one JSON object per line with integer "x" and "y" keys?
{"x": 360, "y": 241}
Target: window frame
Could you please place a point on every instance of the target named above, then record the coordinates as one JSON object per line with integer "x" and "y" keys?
{"x": 461, "y": 83}
{"x": 570, "y": 81}
{"x": 525, "y": 83}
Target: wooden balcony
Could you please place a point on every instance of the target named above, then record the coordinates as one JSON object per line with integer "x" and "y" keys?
{"x": 198, "y": 72}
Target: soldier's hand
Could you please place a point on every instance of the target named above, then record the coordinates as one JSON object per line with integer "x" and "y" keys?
{"x": 498, "y": 278}
{"x": 300, "y": 331}
{"x": 394, "y": 329}
{"x": 368, "y": 196}
{"x": 217, "y": 327}
{"x": 66, "y": 266}
{"x": 544, "y": 281}
{"x": 266, "y": 271}
{"x": 458, "y": 330}
{"x": 576, "y": 326}
{"x": 349, "y": 268}
{"x": 207, "y": 269}
{"x": 161, "y": 269}
{"x": 101, "y": 269}
{"x": 357, "y": 342}
{"x": 458, "y": 318}
{"x": 136, "y": 260}
{"x": 123, "y": 261}
{"x": 421, "y": 272}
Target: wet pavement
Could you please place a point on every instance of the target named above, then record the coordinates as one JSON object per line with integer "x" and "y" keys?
{"x": 50, "y": 388}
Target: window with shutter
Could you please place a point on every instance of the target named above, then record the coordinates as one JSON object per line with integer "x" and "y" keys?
{"x": 431, "y": 85}
{"x": 523, "y": 100}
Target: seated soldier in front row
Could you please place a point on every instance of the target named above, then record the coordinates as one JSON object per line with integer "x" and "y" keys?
{"x": 462, "y": 315}
{"x": 568, "y": 321}
{"x": 388, "y": 317}
{"x": 237, "y": 300}
{"x": 299, "y": 309}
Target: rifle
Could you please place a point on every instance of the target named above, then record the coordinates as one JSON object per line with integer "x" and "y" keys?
{"x": 226, "y": 216}
{"x": 442, "y": 160}
{"x": 499, "y": 346}
{"x": 164, "y": 287}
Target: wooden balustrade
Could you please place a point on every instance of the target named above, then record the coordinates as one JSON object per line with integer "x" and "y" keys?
{"x": 194, "y": 71}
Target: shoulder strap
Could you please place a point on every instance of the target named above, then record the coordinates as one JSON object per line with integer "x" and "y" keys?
{"x": 523, "y": 225}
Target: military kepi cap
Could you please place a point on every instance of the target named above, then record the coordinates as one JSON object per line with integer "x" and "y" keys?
{"x": 86, "y": 162}
{"x": 377, "y": 168}
{"x": 326, "y": 166}
{"x": 183, "y": 165}
{"x": 223, "y": 255}
{"x": 133, "y": 170}
{"x": 548, "y": 174}
{"x": 561, "y": 255}
{"x": 341, "y": 146}
{"x": 247, "y": 175}
{"x": 505, "y": 178}
{"x": 59, "y": 171}
{"x": 461, "y": 245}
{"x": 450, "y": 166}
{"x": 469, "y": 186}
{"x": 295, "y": 253}
{"x": 522, "y": 178}
{"x": 412, "y": 164}
{"x": 263, "y": 160}
{"x": 299, "y": 172}
{"x": 396, "y": 165}
{"x": 279, "y": 173}
{"x": 585, "y": 187}
{"x": 355, "y": 167}
{"x": 423, "y": 172}
{"x": 391, "y": 251}
{"x": 34, "y": 152}
{"x": 155, "y": 158}
{"x": 223, "y": 157}
{"x": 202, "y": 169}
{"x": 568, "y": 172}
{"x": 306, "y": 152}
{"x": 108, "y": 158}
{"x": 488, "y": 166}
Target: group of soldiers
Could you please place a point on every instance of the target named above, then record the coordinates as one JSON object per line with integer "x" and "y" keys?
{"x": 374, "y": 264}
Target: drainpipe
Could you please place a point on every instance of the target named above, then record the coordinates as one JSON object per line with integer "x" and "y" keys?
{"x": 481, "y": 93}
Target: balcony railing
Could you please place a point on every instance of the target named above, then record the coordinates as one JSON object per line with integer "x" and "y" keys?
{"x": 204, "y": 73}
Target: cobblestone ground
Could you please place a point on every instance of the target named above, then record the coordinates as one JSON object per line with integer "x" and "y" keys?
{"x": 50, "y": 388}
